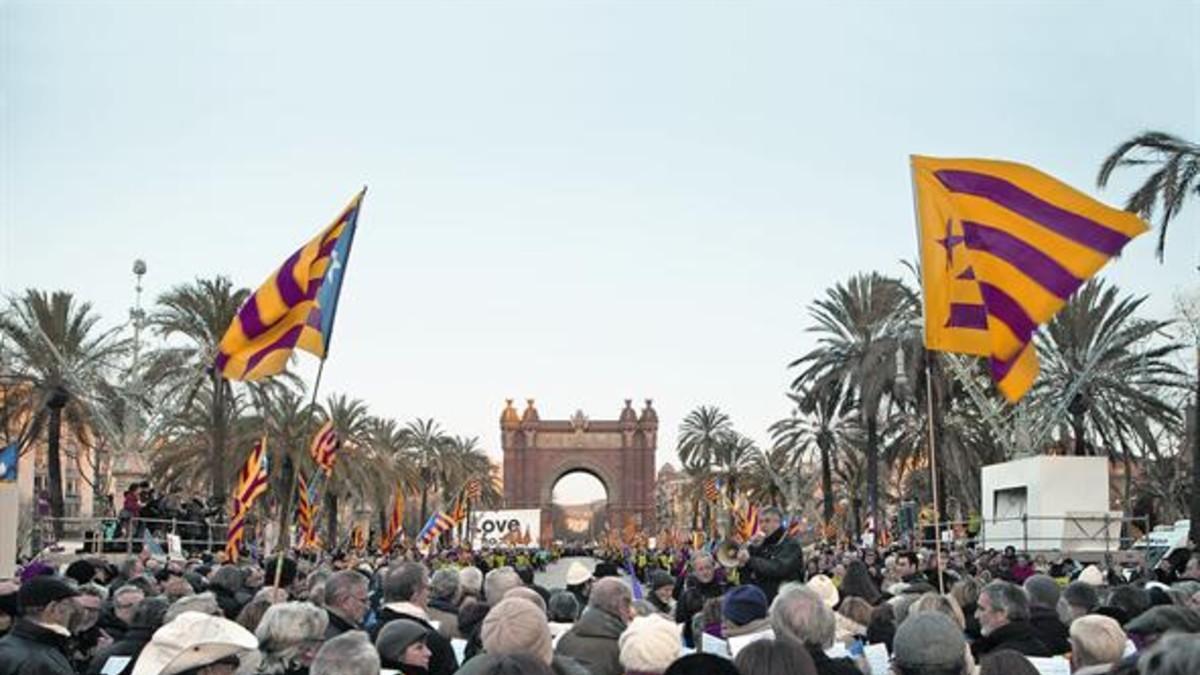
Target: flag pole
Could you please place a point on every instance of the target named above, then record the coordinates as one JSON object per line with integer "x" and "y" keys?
{"x": 933, "y": 472}
{"x": 286, "y": 506}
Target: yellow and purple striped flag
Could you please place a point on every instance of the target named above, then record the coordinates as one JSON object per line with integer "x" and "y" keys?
{"x": 1003, "y": 246}
{"x": 294, "y": 308}
{"x": 252, "y": 483}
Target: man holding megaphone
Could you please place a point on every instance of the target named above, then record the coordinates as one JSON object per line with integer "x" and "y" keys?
{"x": 771, "y": 558}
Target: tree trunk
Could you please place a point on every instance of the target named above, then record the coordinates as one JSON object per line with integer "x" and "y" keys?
{"x": 331, "y": 514}
{"x": 285, "y": 510}
{"x": 216, "y": 461}
{"x": 58, "y": 400}
{"x": 873, "y": 470}
{"x": 1077, "y": 431}
{"x": 826, "y": 485}
{"x": 424, "y": 501}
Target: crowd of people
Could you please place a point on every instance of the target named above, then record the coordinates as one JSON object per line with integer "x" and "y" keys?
{"x": 636, "y": 612}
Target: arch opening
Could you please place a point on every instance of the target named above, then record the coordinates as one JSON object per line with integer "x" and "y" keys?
{"x": 579, "y": 507}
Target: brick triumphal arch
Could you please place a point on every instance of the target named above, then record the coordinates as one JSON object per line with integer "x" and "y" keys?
{"x": 620, "y": 453}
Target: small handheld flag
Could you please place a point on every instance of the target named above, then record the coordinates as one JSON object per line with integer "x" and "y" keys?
{"x": 8, "y": 464}
{"x": 1003, "y": 246}
{"x": 294, "y": 308}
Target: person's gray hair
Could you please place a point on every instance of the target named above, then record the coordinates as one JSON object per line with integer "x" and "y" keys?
{"x": 611, "y": 595}
{"x": 1174, "y": 654}
{"x": 940, "y": 604}
{"x": 404, "y": 582}
{"x": 350, "y": 653}
{"x": 444, "y": 584}
{"x": 95, "y": 590}
{"x": 498, "y": 582}
{"x": 798, "y": 613}
{"x": 470, "y": 580}
{"x": 205, "y": 603}
{"x": 126, "y": 589}
{"x": 283, "y": 634}
{"x": 644, "y": 608}
{"x": 340, "y": 586}
{"x": 1008, "y": 598}
{"x": 150, "y": 613}
{"x": 271, "y": 594}
{"x": 1042, "y": 591}
{"x": 563, "y": 607}
{"x": 229, "y": 577}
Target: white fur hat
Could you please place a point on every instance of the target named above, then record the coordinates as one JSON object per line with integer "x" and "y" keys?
{"x": 649, "y": 644}
{"x": 193, "y": 640}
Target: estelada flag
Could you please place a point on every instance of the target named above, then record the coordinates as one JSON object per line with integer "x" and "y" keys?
{"x": 294, "y": 308}
{"x": 1003, "y": 246}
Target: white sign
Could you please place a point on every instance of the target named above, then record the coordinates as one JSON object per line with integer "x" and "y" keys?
{"x": 877, "y": 658}
{"x": 738, "y": 642}
{"x": 508, "y": 528}
{"x": 711, "y": 644}
{"x": 1054, "y": 665}
{"x": 175, "y": 547}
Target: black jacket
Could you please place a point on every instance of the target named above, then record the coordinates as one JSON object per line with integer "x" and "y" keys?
{"x": 1050, "y": 630}
{"x": 691, "y": 600}
{"x": 337, "y": 625}
{"x": 776, "y": 560}
{"x": 30, "y": 649}
{"x": 228, "y": 602}
{"x": 131, "y": 645}
{"x": 1017, "y": 636}
{"x": 111, "y": 624}
{"x": 442, "y": 660}
{"x": 828, "y": 666}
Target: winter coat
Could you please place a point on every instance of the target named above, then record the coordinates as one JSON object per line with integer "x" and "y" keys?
{"x": 561, "y": 665}
{"x": 592, "y": 641}
{"x": 337, "y": 625}
{"x": 228, "y": 602}
{"x": 442, "y": 660}
{"x": 828, "y": 666}
{"x": 691, "y": 601}
{"x": 1017, "y": 636}
{"x": 30, "y": 649}
{"x": 778, "y": 559}
{"x": 131, "y": 645}
{"x": 445, "y": 613}
{"x": 1050, "y": 630}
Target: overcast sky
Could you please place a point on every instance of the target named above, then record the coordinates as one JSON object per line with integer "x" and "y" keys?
{"x": 576, "y": 202}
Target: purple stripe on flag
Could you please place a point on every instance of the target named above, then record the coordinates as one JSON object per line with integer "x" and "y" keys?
{"x": 285, "y": 281}
{"x": 1030, "y": 260}
{"x": 248, "y": 316}
{"x": 1003, "y": 307}
{"x": 1067, "y": 223}
{"x": 327, "y": 247}
{"x": 1000, "y": 368}
{"x": 967, "y": 274}
{"x": 222, "y": 359}
{"x": 967, "y": 316}
{"x": 286, "y": 341}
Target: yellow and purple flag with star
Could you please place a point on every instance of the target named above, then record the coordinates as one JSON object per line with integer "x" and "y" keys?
{"x": 1003, "y": 246}
{"x": 294, "y": 308}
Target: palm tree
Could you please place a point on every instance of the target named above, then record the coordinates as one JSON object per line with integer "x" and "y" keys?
{"x": 427, "y": 440}
{"x": 1110, "y": 373}
{"x": 701, "y": 434}
{"x": 735, "y": 457}
{"x": 389, "y": 444}
{"x": 817, "y": 420}
{"x": 197, "y": 315}
{"x": 1176, "y": 176}
{"x": 863, "y": 325}
{"x": 58, "y": 360}
{"x": 358, "y": 472}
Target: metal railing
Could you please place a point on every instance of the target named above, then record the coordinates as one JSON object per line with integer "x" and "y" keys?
{"x": 1094, "y": 530}
{"x": 112, "y": 534}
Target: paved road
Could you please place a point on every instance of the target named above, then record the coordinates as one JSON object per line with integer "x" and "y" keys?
{"x": 555, "y": 575}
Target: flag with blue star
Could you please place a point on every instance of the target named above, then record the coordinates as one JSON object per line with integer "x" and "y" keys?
{"x": 8, "y": 464}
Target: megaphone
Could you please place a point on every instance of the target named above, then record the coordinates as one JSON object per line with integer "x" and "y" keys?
{"x": 727, "y": 553}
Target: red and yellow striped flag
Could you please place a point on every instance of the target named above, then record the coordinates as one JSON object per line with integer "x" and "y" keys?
{"x": 1003, "y": 246}
{"x": 324, "y": 447}
{"x": 294, "y": 308}
{"x": 395, "y": 522}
